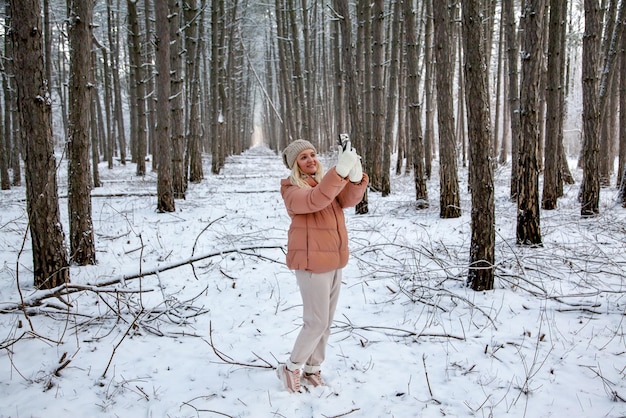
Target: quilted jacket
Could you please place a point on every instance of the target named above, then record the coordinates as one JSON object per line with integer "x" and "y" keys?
{"x": 318, "y": 239}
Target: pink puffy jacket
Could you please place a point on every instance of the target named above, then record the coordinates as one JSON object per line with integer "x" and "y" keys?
{"x": 318, "y": 239}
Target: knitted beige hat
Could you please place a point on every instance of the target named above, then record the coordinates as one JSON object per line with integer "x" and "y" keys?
{"x": 291, "y": 152}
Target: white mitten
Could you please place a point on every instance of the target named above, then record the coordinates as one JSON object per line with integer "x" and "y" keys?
{"x": 356, "y": 173}
{"x": 346, "y": 161}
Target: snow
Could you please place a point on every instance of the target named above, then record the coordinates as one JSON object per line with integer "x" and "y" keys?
{"x": 409, "y": 339}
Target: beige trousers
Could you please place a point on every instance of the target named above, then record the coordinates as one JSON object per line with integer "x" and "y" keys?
{"x": 320, "y": 293}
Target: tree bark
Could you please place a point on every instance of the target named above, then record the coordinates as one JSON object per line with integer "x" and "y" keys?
{"x": 590, "y": 188}
{"x": 165, "y": 195}
{"x": 429, "y": 97}
{"x": 377, "y": 139}
{"x": 513, "y": 92}
{"x": 149, "y": 59}
{"x": 351, "y": 82}
{"x": 608, "y": 79}
{"x": 194, "y": 143}
{"x": 49, "y": 255}
{"x": 415, "y": 126}
{"x": 482, "y": 246}
{"x": 82, "y": 246}
{"x": 298, "y": 74}
{"x": 113, "y": 35}
{"x": 11, "y": 115}
{"x": 554, "y": 113}
{"x": 141, "y": 145}
{"x": 109, "y": 142}
{"x": 177, "y": 127}
{"x": 528, "y": 214}
{"x": 284, "y": 70}
{"x": 449, "y": 197}
{"x": 392, "y": 96}
{"x": 217, "y": 117}
{"x": 621, "y": 177}
{"x": 5, "y": 181}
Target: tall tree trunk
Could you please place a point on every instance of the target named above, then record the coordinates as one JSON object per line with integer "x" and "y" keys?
{"x": 498, "y": 102}
{"x": 165, "y": 199}
{"x": 12, "y": 118}
{"x": 96, "y": 128}
{"x": 413, "y": 100}
{"x": 621, "y": 177}
{"x": 223, "y": 83}
{"x": 33, "y": 100}
{"x": 285, "y": 85}
{"x": 514, "y": 104}
{"x": 298, "y": 75}
{"x": 554, "y": 112}
{"x": 564, "y": 171}
{"x": 590, "y": 188}
{"x": 339, "y": 101}
{"x": 482, "y": 246}
{"x": 449, "y": 197}
{"x": 217, "y": 117}
{"x": 429, "y": 98}
{"x": 402, "y": 118}
{"x": 528, "y": 214}
{"x": 109, "y": 142}
{"x": 308, "y": 40}
{"x": 47, "y": 46}
{"x": 461, "y": 111}
{"x": 113, "y": 22}
{"x": 505, "y": 143}
{"x": 607, "y": 113}
{"x": 392, "y": 96}
{"x": 141, "y": 140}
{"x": 82, "y": 247}
{"x": 349, "y": 71}
{"x": 177, "y": 126}
{"x": 5, "y": 180}
{"x": 364, "y": 70}
{"x": 375, "y": 144}
{"x": 148, "y": 54}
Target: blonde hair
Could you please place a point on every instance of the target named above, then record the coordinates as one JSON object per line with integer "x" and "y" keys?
{"x": 298, "y": 178}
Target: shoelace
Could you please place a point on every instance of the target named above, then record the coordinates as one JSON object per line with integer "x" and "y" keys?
{"x": 315, "y": 377}
{"x": 296, "y": 378}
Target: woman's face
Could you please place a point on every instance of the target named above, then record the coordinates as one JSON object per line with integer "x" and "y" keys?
{"x": 307, "y": 161}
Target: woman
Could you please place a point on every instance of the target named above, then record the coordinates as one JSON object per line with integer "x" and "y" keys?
{"x": 317, "y": 248}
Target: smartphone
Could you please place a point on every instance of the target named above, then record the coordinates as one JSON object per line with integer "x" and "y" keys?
{"x": 344, "y": 142}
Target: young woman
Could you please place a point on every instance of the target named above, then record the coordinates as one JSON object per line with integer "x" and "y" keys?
{"x": 317, "y": 248}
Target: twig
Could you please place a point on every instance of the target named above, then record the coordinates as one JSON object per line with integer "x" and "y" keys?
{"x": 228, "y": 360}
{"x": 132, "y": 325}
{"x": 342, "y": 415}
{"x": 193, "y": 250}
{"x": 426, "y": 374}
{"x": 205, "y": 410}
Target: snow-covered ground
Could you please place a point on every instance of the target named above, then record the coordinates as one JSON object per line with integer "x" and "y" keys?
{"x": 200, "y": 333}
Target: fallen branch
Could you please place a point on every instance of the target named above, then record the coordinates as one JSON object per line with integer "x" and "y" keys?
{"x": 37, "y": 298}
{"x": 397, "y": 332}
{"x": 191, "y": 260}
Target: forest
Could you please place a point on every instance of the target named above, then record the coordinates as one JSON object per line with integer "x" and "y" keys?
{"x": 485, "y": 114}
{"x": 404, "y": 79}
